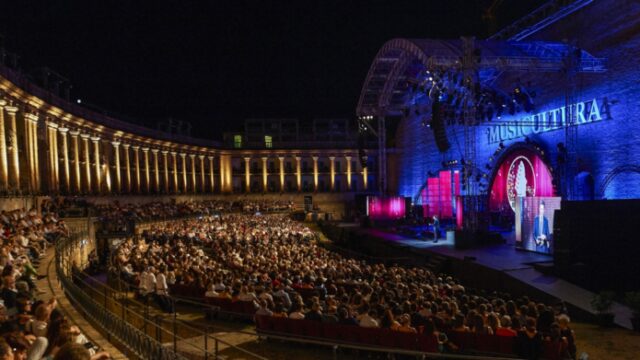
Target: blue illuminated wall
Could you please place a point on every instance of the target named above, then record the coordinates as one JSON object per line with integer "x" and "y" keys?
{"x": 607, "y": 149}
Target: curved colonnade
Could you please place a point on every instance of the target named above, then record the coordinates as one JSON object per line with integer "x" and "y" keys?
{"x": 51, "y": 146}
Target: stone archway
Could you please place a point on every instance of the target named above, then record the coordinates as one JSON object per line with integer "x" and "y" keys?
{"x": 621, "y": 174}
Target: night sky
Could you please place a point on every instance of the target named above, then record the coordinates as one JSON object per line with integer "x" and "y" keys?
{"x": 216, "y": 64}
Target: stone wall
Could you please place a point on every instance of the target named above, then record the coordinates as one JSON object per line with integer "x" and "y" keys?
{"x": 604, "y": 148}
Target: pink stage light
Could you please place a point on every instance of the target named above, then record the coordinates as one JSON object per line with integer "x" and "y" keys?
{"x": 388, "y": 208}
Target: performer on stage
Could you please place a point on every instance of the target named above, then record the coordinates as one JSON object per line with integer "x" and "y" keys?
{"x": 436, "y": 228}
{"x": 541, "y": 233}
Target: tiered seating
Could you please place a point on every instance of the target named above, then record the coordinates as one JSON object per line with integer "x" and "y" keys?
{"x": 467, "y": 342}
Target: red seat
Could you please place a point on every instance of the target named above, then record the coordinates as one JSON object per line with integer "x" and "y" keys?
{"x": 552, "y": 350}
{"x": 406, "y": 341}
{"x": 428, "y": 343}
{"x": 506, "y": 344}
{"x": 280, "y": 325}
{"x": 386, "y": 338}
{"x": 312, "y": 328}
{"x": 463, "y": 340}
{"x": 487, "y": 343}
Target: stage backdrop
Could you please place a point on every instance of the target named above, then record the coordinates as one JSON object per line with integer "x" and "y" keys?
{"x": 521, "y": 174}
{"x": 385, "y": 208}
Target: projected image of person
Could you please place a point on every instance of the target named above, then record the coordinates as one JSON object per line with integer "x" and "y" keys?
{"x": 541, "y": 233}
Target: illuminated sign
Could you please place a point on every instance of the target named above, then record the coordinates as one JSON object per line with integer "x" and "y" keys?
{"x": 583, "y": 112}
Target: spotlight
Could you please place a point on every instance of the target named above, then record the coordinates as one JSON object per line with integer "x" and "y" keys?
{"x": 79, "y": 101}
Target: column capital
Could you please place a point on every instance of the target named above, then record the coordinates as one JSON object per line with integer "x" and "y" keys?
{"x": 183, "y": 155}
{"x": 332, "y": 158}
{"x": 210, "y": 157}
{"x": 348, "y": 157}
{"x": 264, "y": 158}
{"x": 165, "y": 152}
{"x": 145, "y": 149}
{"x": 192, "y": 156}
{"x": 315, "y": 158}
{"x": 298, "y": 158}
{"x": 74, "y": 133}
{"x": 173, "y": 153}
{"x": 155, "y": 151}
{"x": 115, "y": 143}
{"x": 135, "y": 147}
{"x": 85, "y": 136}
{"x": 12, "y": 110}
{"x": 281, "y": 158}
{"x": 3, "y": 102}
{"x": 31, "y": 117}
{"x": 247, "y": 158}
{"x": 126, "y": 146}
{"x": 63, "y": 130}
{"x": 51, "y": 124}
{"x": 95, "y": 139}
{"x": 201, "y": 156}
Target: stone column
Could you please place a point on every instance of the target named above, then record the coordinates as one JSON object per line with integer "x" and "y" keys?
{"x": 247, "y": 173}
{"x": 348, "y": 172}
{"x": 264, "y": 174}
{"x": 156, "y": 170}
{"x": 211, "y": 177}
{"x": 147, "y": 173}
{"x": 76, "y": 161}
{"x": 31, "y": 140}
{"x": 332, "y": 164}
{"x": 116, "y": 152}
{"x": 175, "y": 171}
{"x": 96, "y": 157}
{"x": 4, "y": 163}
{"x": 65, "y": 159}
{"x": 298, "y": 173}
{"x": 192, "y": 157}
{"x": 87, "y": 162}
{"x": 315, "y": 173}
{"x": 203, "y": 187}
{"x": 13, "y": 145}
{"x": 136, "y": 160}
{"x": 185, "y": 186}
{"x": 365, "y": 178}
{"x": 165, "y": 162}
{"x": 52, "y": 139}
{"x": 127, "y": 163}
{"x": 281, "y": 164}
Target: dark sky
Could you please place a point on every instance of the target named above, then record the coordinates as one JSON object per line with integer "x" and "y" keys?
{"x": 215, "y": 63}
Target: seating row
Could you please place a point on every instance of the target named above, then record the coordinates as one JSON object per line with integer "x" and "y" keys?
{"x": 470, "y": 343}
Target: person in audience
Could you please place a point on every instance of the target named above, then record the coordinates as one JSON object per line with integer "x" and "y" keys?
{"x": 296, "y": 312}
{"x": 505, "y": 327}
{"x": 529, "y": 341}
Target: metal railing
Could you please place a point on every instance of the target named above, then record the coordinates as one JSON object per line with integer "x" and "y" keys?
{"x": 129, "y": 323}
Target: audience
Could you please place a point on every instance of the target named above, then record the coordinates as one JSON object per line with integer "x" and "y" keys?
{"x": 275, "y": 263}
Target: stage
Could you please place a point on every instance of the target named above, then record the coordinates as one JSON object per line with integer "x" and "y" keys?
{"x": 503, "y": 258}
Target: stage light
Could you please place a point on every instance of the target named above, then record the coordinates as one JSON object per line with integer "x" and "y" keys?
{"x": 79, "y": 101}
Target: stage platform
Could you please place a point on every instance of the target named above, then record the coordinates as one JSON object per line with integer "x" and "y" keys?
{"x": 506, "y": 259}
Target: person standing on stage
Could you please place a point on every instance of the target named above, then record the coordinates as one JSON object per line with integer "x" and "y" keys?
{"x": 436, "y": 228}
{"x": 541, "y": 230}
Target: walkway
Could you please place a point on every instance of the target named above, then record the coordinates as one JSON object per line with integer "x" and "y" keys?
{"x": 51, "y": 288}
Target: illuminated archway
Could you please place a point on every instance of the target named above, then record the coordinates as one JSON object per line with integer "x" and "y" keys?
{"x": 521, "y": 171}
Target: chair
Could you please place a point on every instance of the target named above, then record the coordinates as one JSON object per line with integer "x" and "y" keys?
{"x": 428, "y": 343}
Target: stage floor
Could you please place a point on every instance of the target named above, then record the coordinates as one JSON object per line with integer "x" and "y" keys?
{"x": 515, "y": 263}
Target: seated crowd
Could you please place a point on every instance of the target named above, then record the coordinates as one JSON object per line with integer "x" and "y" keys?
{"x": 32, "y": 328}
{"x": 274, "y": 263}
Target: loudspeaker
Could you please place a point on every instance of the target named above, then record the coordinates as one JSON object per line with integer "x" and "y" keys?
{"x": 438, "y": 126}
